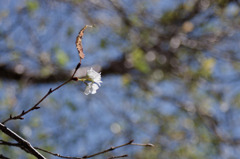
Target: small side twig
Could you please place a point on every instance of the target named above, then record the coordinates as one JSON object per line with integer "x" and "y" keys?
{"x": 20, "y": 116}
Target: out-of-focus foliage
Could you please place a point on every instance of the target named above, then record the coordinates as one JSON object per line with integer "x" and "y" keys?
{"x": 170, "y": 76}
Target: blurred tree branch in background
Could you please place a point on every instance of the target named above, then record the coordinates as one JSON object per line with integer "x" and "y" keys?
{"x": 173, "y": 69}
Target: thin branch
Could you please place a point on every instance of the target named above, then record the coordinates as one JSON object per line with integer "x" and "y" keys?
{"x": 96, "y": 154}
{"x": 122, "y": 156}
{"x": 24, "y": 144}
{"x": 147, "y": 145}
{"x": 20, "y": 116}
{"x": 89, "y": 156}
{"x": 56, "y": 154}
{"x": 110, "y": 149}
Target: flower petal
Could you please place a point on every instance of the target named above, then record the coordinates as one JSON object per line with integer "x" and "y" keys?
{"x": 91, "y": 88}
{"x": 87, "y": 90}
{"x": 95, "y": 76}
{"x": 94, "y": 88}
{"x": 95, "y": 83}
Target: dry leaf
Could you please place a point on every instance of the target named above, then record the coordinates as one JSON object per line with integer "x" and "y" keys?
{"x": 79, "y": 42}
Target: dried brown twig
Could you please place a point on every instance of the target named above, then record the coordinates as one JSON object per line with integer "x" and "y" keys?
{"x": 79, "y": 42}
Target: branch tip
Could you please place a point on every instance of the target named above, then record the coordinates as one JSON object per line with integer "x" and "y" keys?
{"x": 131, "y": 141}
{"x": 78, "y": 66}
{"x": 150, "y": 145}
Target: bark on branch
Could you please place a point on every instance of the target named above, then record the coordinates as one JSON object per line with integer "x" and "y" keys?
{"x": 24, "y": 144}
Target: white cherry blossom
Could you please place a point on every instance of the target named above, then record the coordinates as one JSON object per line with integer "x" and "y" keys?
{"x": 95, "y": 82}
